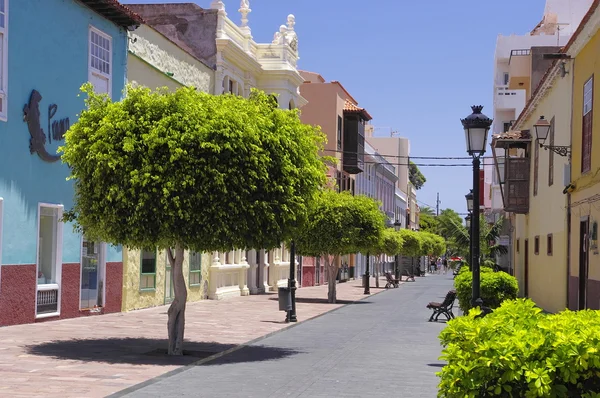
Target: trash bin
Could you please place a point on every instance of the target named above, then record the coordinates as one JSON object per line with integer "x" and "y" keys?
{"x": 285, "y": 299}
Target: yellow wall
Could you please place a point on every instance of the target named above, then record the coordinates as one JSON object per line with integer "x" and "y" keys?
{"x": 139, "y": 72}
{"x": 134, "y": 298}
{"x": 547, "y": 275}
{"x": 586, "y": 63}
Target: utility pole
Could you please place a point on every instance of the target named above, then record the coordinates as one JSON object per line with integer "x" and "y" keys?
{"x": 437, "y": 205}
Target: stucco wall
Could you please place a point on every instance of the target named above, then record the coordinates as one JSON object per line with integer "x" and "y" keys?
{"x": 547, "y": 273}
{"x": 587, "y": 185}
{"x": 321, "y": 110}
{"x": 134, "y": 298}
{"x": 55, "y": 63}
{"x": 164, "y": 56}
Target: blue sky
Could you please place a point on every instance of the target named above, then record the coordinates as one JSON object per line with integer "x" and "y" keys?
{"x": 416, "y": 66}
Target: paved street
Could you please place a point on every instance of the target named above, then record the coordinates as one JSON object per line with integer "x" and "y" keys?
{"x": 99, "y": 355}
{"x": 380, "y": 347}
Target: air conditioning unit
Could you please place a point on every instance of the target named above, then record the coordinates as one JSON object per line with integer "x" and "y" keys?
{"x": 567, "y": 174}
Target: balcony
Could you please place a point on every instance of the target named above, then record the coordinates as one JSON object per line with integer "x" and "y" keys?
{"x": 509, "y": 99}
{"x": 353, "y": 144}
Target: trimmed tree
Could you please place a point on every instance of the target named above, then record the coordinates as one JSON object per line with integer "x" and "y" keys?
{"x": 190, "y": 171}
{"x": 390, "y": 244}
{"x": 339, "y": 224}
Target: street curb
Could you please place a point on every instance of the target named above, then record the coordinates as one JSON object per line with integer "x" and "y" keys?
{"x": 174, "y": 372}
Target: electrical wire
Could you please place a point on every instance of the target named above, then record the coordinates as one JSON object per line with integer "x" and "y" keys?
{"x": 410, "y": 157}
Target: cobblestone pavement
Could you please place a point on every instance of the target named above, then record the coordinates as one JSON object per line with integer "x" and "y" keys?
{"x": 380, "y": 347}
{"x": 99, "y": 355}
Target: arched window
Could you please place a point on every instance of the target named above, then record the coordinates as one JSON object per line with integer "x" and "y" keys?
{"x": 292, "y": 105}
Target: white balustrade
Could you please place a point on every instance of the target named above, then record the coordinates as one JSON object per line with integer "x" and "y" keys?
{"x": 47, "y": 299}
{"x": 228, "y": 280}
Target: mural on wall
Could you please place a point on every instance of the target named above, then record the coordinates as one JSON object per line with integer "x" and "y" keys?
{"x": 56, "y": 128}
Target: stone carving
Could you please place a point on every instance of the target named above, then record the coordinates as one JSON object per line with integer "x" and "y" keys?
{"x": 244, "y": 10}
{"x": 280, "y": 37}
{"x": 287, "y": 34}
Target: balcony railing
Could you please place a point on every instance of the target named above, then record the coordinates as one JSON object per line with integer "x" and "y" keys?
{"x": 509, "y": 99}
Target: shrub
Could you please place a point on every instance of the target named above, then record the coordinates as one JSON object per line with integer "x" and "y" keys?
{"x": 518, "y": 351}
{"x": 495, "y": 288}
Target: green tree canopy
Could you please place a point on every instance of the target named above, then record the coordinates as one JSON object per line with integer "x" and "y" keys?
{"x": 412, "y": 243}
{"x": 414, "y": 175}
{"x": 338, "y": 224}
{"x": 428, "y": 223}
{"x": 390, "y": 244}
{"x": 190, "y": 170}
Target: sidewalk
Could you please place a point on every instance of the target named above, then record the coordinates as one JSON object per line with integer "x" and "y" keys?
{"x": 98, "y": 355}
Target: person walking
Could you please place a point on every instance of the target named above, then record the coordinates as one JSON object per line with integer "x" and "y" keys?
{"x": 445, "y": 265}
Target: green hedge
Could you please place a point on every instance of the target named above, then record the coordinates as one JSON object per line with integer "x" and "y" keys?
{"x": 495, "y": 288}
{"x": 518, "y": 351}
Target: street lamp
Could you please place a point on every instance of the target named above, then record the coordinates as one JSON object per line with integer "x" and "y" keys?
{"x": 397, "y": 226}
{"x": 542, "y": 130}
{"x": 291, "y": 316}
{"x": 476, "y": 127}
{"x": 468, "y": 221}
{"x": 469, "y": 198}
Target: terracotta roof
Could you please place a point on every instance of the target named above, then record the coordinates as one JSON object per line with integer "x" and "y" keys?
{"x": 512, "y": 135}
{"x": 349, "y": 107}
{"x": 580, "y": 28}
{"x": 115, "y": 12}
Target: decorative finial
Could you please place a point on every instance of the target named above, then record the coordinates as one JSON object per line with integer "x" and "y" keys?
{"x": 244, "y": 10}
{"x": 477, "y": 109}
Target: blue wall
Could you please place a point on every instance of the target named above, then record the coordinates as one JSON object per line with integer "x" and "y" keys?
{"x": 47, "y": 51}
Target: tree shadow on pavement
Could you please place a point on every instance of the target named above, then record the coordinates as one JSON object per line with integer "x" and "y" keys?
{"x": 315, "y": 300}
{"x": 144, "y": 351}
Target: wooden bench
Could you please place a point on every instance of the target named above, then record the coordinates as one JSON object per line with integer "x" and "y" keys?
{"x": 409, "y": 275}
{"x": 443, "y": 308}
{"x": 391, "y": 281}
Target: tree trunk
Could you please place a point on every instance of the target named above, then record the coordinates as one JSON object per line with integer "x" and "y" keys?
{"x": 176, "y": 322}
{"x": 331, "y": 269}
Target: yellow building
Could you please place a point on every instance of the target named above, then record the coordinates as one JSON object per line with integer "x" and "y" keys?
{"x": 540, "y": 235}
{"x": 155, "y": 61}
{"x": 584, "y": 258}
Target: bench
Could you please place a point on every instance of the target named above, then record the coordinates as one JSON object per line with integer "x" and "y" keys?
{"x": 443, "y": 308}
{"x": 391, "y": 281}
{"x": 409, "y": 275}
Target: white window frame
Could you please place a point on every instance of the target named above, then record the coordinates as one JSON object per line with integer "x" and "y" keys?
{"x": 4, "y": 79}
{"x": 588, "y": 96}
{"x": 58, "y": 259}
{"x": 93, "y": 71}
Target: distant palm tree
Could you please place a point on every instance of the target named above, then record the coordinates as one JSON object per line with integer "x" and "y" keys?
{"x": 488, "y": 233}
{"x": 426, "y": 210}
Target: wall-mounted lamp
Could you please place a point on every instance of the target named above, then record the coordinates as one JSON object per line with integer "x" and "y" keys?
{"x": 542, "y": 129}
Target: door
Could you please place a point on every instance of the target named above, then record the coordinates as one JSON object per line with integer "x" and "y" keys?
{"x": 92, "y": 274}
{"x": 526, "y": 264}
{"x": 584, "y": 227}
{"x": 168, "y": 283}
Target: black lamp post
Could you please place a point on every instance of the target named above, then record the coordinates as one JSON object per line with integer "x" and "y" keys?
{"x": 469, "y": 223}
{"x": 397, "y": 226}
{"x": 476, "y": 127}
{"x": 291, "y": 316}
{"x": 367, "y": 277}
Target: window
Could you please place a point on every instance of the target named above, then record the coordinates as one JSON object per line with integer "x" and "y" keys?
{"x": 549, "y": 244}
{"x": 518, "y": 245}
{"x": 506, "y": 78}
{"x": 506, "y": 126}
{"x": 148, "y": 269}
{"x": 536, "y": 167}
{"x": 551, "y": 155}
{"x": 536, "y": 245}
{"x": 3, "y": 59}
{"x": 49, "y": 260}
{"x": 100, "y": 66}
{"x": 586, "y": 141}
{"x": 339, "y": 133}
{"x": 195, "y": 268}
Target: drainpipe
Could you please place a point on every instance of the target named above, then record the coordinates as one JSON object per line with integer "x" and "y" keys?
{"x": 572, "y": 76}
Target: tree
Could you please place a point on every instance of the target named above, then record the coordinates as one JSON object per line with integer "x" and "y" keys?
{"x": 414, "y": 175}
{"x": 426, "y": 210}
{"x": 487, "y": 233}
{"x": 339, "y": 224}
{"x": 428, "y": 223}
{"x": 390, "y": 244}
{"x": 447, "y": 220}
{"x": 190, "y": 171}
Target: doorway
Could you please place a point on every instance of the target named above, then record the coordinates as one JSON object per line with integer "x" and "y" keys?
{"x": 526, "y": 265}
{"x": 584, "y": 227}
{"x": 92, "y": 274}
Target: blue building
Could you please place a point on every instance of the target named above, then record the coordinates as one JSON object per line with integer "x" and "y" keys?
{"x": 48, "y": 49}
